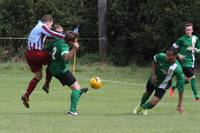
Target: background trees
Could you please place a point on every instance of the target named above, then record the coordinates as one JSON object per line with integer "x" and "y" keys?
{"x": 137, "y": 29}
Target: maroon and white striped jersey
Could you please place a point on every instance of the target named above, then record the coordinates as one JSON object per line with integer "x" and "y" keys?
{"x": 38, "y": 35}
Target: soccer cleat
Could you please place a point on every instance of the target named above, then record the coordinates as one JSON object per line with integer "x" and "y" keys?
{"x": 171, "y": 92}
{"x": 140, "y": 110}
{"x": 46, "y": 88}
{"x": 84, "y": 90}
{"x": 25, "y": 100}
{"x": 72, "y": 113}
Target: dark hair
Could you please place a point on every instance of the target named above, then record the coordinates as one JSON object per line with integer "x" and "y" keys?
{"x": 173, "y": 50}
{"x": 46, "y": 18}
{"x": 188, "y": 24}
{"x": 70, "y": 36}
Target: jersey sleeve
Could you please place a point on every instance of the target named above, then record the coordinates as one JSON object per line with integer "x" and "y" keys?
{"x": 159, "y": 57}
{"x": 50, "y": 33}
{"x": 177, "y": 43}
{"x": 180, "y": 79}
{"x": 197, "y": 43}
{"x": 64, "y": 50}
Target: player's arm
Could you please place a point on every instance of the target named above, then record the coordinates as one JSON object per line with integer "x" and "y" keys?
{"x": 197, "y": 48}
{"x": 154, "y": 76}
{"x": 50, "y": 33}
{"x": 176, "y": 45}
{"x": 68, "y": 56}
{"x": 180, "y": 85}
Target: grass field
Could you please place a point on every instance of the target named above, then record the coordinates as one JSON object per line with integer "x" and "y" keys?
{"x": 101, "y": 111}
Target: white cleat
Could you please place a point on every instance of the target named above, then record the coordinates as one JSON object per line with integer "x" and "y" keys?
{"x": 72, "y": 113}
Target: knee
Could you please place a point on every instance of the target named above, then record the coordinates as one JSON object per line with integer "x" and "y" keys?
{"x": 154, "y": 101}
{"x": 75, "y": 86}
{"x": 38, "y": 76}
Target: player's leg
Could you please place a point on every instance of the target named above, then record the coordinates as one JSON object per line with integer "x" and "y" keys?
{"x": 75, "y": 95}
{"x": 189, "y": 72}
{"x": 48, "y": 78}
{"x": 68, "y": 79}
{"x": 35, "y": 59}
{"x": 159, "y": 93}
{"x": 149, "y": 90}
{"x": 32, "y": 85}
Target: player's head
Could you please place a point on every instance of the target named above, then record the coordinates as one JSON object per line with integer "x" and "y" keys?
{"x": 189, "y": 29}
{"x": 47, "y": 20}
{"x": 172, "y": 54}
{"x": 70, "y": 37}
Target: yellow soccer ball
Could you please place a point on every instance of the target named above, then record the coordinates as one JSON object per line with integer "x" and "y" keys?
{"x": 96, "y": 83}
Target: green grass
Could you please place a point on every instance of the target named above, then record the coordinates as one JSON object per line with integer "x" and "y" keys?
{"x": 107, "y": 110}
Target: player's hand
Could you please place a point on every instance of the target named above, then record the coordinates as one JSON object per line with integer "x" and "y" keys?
{"x": 154, "y": 79}
{"x": 181, "y": 57}
{"x": 180, "y": 109}
{"x": 59, "y": 28}
{"x": 76, "y": 45}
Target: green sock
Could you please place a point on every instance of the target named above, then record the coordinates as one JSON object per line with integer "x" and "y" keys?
{"x": 147, "y": 106}
{"x": 74, "y": 100}
{"x": 145, "y": 97}
{"x": 194, "y": 88}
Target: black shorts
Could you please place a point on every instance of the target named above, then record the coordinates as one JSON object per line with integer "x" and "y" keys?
{"x": 188, "y": 71}
{"x": 159, "y": 92}
{"x": 66, "y": 78}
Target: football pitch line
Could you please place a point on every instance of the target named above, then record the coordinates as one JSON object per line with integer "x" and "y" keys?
{"x": 2, "y": 76}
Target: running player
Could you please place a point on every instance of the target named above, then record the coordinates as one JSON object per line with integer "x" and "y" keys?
{"x": 188, "y": 45}
{"x": 35, "y": 54}
{"x": 59, "y": 66}
{"x": 163, "y": 69}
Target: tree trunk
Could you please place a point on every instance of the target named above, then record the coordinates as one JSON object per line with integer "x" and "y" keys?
{"x": 102, "y": 14}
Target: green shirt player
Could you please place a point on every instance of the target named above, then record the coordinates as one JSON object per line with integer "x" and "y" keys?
{"x": 188, "y": 45}
{"x": 164, "y": 67}
{"x": 59, "y": 66}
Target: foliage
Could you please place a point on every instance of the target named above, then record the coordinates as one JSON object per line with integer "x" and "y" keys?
{"x": 137, "y": 29}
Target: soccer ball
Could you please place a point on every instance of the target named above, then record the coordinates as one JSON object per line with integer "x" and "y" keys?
{"x": 96, "y": 83}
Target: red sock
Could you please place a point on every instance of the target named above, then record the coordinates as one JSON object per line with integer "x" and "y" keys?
{"x": 31, "y": 86}
{"x": 48, "y": 77}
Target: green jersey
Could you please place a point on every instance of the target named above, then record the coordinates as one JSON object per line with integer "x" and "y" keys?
{"x": 166, "y": 70}
{"x": 58, "y": 49}
{"x": 183, "y": 43}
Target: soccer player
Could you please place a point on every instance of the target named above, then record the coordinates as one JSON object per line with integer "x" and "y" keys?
{"x": 164, "y": 67}
{"x": 188, "y": 45}
{"x": 59, "y": 66}
{"x": 35, "y": 54}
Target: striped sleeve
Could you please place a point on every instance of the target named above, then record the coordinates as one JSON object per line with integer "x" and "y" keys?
{"x": 51, "y": 33}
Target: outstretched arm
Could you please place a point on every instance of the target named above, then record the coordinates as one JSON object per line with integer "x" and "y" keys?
{"x": 180, "y": 84}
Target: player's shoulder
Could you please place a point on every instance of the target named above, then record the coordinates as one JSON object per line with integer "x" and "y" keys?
{"x": 161, "y": 54}
{"x": 196, "y": 36}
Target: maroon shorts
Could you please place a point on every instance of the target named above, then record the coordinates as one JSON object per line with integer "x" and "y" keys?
{"x": 37, "y": 58}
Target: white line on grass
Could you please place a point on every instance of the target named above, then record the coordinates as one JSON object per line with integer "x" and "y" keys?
{"x": 86, "y": 79}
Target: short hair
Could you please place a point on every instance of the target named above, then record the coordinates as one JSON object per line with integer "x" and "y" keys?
{"x": 47, "y": 18}
{"x": 70, "y": 36}
{"x": 173, "y": 50}
{"x": 188, "y": 24}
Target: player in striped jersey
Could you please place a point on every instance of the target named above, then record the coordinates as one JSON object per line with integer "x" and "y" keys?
{"x": 36, "y": 56}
